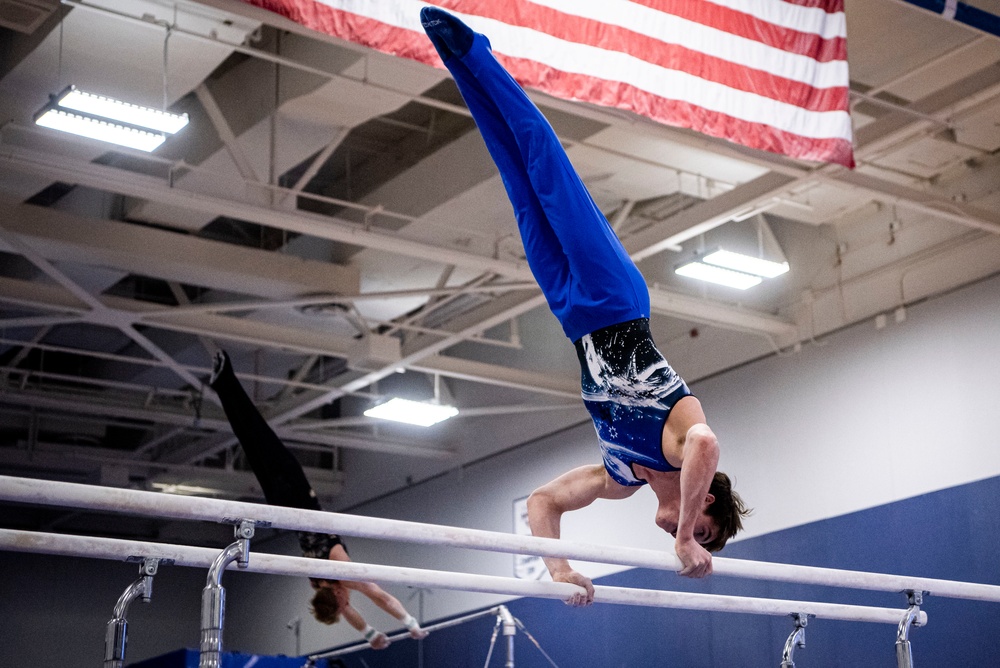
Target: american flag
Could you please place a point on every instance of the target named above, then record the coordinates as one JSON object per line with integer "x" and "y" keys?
{"x": 768, "y": 74}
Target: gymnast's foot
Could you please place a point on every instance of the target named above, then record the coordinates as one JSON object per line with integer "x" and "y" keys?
{"x": 219, "y": 363}
{"x": 450, "y": 36}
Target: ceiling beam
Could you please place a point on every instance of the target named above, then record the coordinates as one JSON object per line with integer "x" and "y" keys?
{"x": 89, "y": 462}
{"x": 99, "y": 313}
{"x": 159, "y": 416}
{"x": 250, "y": 332}
{"x": 726, "y": 317}
{"x": 929, "y": 203}
{"x": 132, "y": 184}
{"x": 184, "y": 258}
{"x": 707, "y": 215}
{"x": 226, "y": 134}
{"x": 455, "y": 367}
{"x": 100, "y": 176}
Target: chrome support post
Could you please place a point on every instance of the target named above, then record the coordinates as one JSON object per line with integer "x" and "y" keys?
{"x": 509, "y": 630}
{"x": 213, "y": 596}
{"x": 116, "y": 635}
{"x": 904, "y": 654}
{"x": 797, "y": 638}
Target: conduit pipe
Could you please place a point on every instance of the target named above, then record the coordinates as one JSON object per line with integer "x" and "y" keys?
{"x": 46, "y": 492}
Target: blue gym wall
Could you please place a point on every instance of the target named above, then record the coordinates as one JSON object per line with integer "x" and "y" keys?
{"x": 948, "y": 534}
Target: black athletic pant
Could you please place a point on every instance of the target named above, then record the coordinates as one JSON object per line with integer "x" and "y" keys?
{"x": 278, "y": 472}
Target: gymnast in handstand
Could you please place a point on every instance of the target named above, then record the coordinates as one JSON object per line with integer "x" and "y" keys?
{"x": 284, "y": 484}
{"x": 650, "y": 428}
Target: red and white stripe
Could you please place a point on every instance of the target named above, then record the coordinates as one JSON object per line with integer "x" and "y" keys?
{"x": 768, "y": 74}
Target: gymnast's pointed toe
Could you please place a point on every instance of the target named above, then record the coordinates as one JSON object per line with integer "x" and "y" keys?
{"x": 450, "y": 36}
{"x": 219, "y": 363}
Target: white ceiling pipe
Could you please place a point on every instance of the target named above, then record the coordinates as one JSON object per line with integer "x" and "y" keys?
{"x": 201, "y": 557}
{"x": 129, "y": 501}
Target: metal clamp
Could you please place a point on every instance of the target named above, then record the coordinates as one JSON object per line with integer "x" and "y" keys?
{"x": 243, "y": 531}
{"x": 213, "y": 596}
{"x": 911, "y": 618}
{"x": 116, "y": 636}
{"x": 797, "y": 638}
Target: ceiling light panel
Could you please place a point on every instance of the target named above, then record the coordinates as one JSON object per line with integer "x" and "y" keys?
{"x": 101, "y": 130}
{"x": 123, "y": 112}
{"x": 719, "y": 275}
{"x": 412, "y": 412}
{"x": 746, "y": 263}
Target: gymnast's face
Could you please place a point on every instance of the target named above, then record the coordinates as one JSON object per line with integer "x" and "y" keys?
{"x": 705, "y": 528}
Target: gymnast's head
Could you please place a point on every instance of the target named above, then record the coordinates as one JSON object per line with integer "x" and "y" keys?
{"x": 326, "y": 603}
{"x": 727, "y": 511}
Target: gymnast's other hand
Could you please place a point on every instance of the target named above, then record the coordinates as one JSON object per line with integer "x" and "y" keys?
{"x": 379, "y": 641}
{"x": 581, "y": 598}
{"x": 696, "y": 561}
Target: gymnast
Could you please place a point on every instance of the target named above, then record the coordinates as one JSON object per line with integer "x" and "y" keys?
{"x": 650, "y": 428}
{"x": 284, "y": 484}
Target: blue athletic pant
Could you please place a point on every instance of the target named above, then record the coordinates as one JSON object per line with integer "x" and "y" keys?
{"x": 589, "y": 280}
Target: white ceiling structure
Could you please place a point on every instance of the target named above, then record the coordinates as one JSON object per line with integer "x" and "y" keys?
{"x": 332, "y": 219}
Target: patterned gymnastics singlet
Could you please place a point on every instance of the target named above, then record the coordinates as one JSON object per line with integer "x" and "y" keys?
{"x": 629, "y": 389}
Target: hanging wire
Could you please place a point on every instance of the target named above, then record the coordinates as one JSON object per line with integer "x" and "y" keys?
{"x": 59, "y": 76}
{"x": 166, "y": 52}
{"x": 534, "y": 642}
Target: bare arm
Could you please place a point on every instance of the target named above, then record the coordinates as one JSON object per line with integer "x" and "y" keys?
{"x": 353, "y": 617}
{"x": 701, "y": 458}
{"x": 570, "y": 491}
{"x": 376, "y": 639}
{"x": 389, "y": 604}
{"x": 380, "y": 597}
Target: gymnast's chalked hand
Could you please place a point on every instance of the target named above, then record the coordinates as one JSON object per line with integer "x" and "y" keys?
{"x": 578, "y": 599}
{"x": 696, "y": 561}
{"x": 379, "y": 641}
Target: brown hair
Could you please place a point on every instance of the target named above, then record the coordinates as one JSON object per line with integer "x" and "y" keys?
{"x": 728, "y": 511}
{"x": 324, "y": 606}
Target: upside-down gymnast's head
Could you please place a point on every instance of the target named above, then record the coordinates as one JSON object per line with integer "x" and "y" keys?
{"x": 327, "y": 602}
{"x": 727, "y": 511}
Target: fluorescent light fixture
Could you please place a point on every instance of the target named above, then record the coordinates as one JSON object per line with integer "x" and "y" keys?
{"x": 109, "y": 120}
{"x": 746, "y": 263}
{"x": 412, "y": 412}
{"x": 115, "y": 110}
{"x": 713, "y": 274}
{"x": 101, "y": 130}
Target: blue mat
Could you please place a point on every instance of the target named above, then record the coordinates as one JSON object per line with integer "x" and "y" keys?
{"x": 188, "y": 658}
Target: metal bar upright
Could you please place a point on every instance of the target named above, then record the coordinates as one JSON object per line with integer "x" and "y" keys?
{"x": 796, "y": 639}
{"x": 904, "y": 653}
{"x": 509, "y": 630}
{"x": 213, "y": 596}
{"x": 116, "y": 636}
